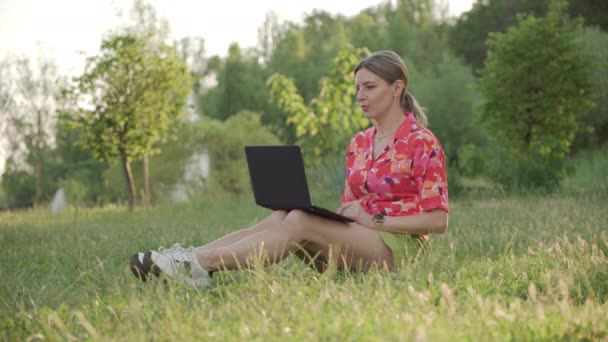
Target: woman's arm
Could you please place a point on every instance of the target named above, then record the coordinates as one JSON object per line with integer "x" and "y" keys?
{"x": 433, "y": 221}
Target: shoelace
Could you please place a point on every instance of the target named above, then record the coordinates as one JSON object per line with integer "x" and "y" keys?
{"x": 177, "y": 252}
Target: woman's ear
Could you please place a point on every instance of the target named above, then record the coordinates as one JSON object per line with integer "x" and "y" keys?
{"x": 398, "y": 87}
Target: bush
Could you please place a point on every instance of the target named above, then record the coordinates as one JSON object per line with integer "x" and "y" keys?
{"x": 326, "y": 180}
{"x": 225, "y": 143}
{"x": 534, "y": 98}
{"x": 594, "y": 132}
{"x": 77, "y": 191}
{"x": 19, "y": 188}
{"x": 447, "y": 91}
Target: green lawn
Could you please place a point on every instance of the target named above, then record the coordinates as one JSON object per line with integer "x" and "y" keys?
{"x": 514, "y": 268}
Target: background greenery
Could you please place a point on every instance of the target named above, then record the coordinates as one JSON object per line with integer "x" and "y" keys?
{"x": 301, "y": 68}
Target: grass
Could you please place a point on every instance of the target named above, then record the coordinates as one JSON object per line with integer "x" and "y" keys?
{"x": 527, "y": 267}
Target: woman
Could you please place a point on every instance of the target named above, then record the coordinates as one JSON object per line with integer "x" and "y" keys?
{"x": 395, "y": 191}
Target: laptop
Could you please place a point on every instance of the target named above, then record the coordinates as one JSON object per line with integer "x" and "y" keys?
{"x": 279, "y": 181}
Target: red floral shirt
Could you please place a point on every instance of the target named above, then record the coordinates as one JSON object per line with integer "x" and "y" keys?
{"x": 407, "y": 178}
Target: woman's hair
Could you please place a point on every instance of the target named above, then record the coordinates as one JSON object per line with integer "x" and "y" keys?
{"x": 390, "y": 67}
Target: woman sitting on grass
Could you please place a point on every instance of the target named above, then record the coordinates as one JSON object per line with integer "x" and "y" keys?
{"x": 396, "y": 192}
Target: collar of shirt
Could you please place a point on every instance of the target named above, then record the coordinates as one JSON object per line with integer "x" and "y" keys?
{"x": 401, "y": 133}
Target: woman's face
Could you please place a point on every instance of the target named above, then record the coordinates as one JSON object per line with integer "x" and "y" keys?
{"x": 375, "y": 96}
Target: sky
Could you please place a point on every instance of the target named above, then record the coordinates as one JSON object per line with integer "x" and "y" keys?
{"x": 60, "y": 29}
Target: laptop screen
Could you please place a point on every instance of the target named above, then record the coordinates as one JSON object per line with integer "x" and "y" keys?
{"x": 277, "y": 176}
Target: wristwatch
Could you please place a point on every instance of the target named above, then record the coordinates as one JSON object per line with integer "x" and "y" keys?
{"x": 378, "y": 220}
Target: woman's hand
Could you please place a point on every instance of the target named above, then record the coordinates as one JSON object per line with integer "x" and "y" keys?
{"x": 355, "y": 211}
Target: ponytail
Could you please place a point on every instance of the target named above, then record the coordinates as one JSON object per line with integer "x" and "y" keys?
{"x": 411, "y": 105}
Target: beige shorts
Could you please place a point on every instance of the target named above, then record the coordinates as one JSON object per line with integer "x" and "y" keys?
{"x": 406, "y": 248}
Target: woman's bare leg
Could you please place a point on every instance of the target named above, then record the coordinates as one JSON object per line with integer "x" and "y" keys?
{"x": 274, "y": 219}
{"x": 353, "y": 245}
{"x": 309, "y": 253}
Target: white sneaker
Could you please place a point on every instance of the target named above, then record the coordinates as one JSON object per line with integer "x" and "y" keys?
{"x": 177, "y": 263}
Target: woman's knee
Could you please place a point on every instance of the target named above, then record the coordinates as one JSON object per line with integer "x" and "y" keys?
{"x": 273, "y": 220}
{"x": 294, "y": 222}
{"x": 278, "y": 216}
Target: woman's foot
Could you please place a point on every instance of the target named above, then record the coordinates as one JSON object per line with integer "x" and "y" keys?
{"x": 177, "y": 263}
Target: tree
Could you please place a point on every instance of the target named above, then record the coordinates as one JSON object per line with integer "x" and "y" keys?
{"x": 192, "y": 52}
{"x": 533, "y": 97}
{"x": 325, "y": 125}
{"x": 594, "y": 11}
{"x": 155, "y": 30}
{"x": 164, "y": 104}
{"x": 268, "y": 35}
{"x": 74, "y": 169}
{"x": 306, "y": 52}
{"x": 29, "y": 102}
{"x": 5, "y": 89}
{"x": 130, "y": 98}
{"x": 5, "y": 103}
{"x": 469, "y": 34}
{"x": 366, "y": 30}
{"x": 447, "y": 91}
{"x": 595, "y": 124}
{"x": 240, "y": 86}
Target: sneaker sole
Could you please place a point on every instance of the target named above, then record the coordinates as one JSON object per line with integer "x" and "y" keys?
{"x": 142, "y": 270}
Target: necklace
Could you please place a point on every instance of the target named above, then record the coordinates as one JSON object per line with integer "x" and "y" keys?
{"x": 383, "y": 137}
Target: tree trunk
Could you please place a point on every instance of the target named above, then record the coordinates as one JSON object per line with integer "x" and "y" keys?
{"x": 38, "y": 158}
{"x": 147, "y": 196}
{"x": 126, "y": 166}
{"x": 38, "y": 176}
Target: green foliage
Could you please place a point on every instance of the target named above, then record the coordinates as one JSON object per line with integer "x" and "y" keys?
{"x": 594, "y": 124}
{"x": 29, "y": 96}
{"x": 533, "y": 98}
{"x": 77, "y": 189}
{"x": 136, "y": 92}
{"x": 326, "y": 180}
{"x": 240, "y": 87}
{"x": 411, "y": 31}
{"x": 468, "y": 36}
{"x": 65, "y": 166}
{"x": 20, "y": 185}
{"x": 305, "y": 53}
{"x": 594, "y": 12}
{"x": 75, "y": 169}
{"x": 19, "y": 188}
{"x": 447, "y": 91}
{"x": 3, "y": 199}
{"x": 137, "y": 95}
{"x": 225, "y": 142}
{"x": 366, "y": 30}
{"x": 328, "y": 122}
{"x": 170, "y": 166}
